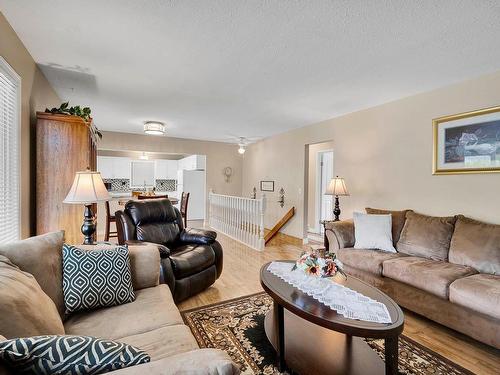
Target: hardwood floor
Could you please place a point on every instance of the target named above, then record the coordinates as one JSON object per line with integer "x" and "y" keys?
{"x": 241, "y": 277}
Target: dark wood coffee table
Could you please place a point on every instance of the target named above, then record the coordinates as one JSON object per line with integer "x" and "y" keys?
{"x": 311, "y": 338}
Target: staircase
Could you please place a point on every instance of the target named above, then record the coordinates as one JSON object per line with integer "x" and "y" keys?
{"x": 269, "y": 235}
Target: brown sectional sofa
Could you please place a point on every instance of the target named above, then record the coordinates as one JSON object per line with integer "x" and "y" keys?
{"x": 446, "y": 269}
{"x": 152, "y": 322}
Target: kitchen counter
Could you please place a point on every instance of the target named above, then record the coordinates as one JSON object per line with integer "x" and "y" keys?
{"x": 126, "y": 194}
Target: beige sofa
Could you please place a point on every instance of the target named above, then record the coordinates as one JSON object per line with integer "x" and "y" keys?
{"x": 152, "y": 322}
{"x": 446, "y": 269}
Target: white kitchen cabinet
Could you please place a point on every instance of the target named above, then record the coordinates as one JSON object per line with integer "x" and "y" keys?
{"x": 105, "y": 166}
{"x": 172, "y": 167}
{"x": 113, "y": 167}
{"x": 121, "y": 168}
{"x": 161, "y": 169}
{"x": 193, "y": 162}
{"x": 142, "y": 174}
{"x": 166, "y": 169}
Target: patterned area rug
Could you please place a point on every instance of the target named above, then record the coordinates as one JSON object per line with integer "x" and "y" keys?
{"x": 237, "y": 327}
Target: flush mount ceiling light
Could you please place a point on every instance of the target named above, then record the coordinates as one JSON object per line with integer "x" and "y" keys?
{"x": 154, "y": 128}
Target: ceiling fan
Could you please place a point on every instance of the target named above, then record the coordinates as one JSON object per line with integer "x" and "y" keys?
{"x": 243, "y": 142}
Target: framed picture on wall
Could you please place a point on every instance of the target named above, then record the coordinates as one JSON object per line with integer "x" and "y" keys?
{"x": 267, "y": 186}
{"x": 467, "y": 142}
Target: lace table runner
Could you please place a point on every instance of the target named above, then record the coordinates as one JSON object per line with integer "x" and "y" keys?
{"x": 345, "y": 301}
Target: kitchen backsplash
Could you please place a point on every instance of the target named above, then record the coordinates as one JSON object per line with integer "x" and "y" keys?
{"x": 166, "y": 185}
{"x": 119, "y": 184}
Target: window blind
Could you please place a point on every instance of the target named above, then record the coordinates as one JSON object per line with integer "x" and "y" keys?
{"x": 10, "y": 106}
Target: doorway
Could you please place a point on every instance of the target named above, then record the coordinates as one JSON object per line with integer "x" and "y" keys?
{"x": 325, "y": 174}
{"x": 319, "y": 172}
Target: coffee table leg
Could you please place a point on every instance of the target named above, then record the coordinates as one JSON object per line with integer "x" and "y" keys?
{"x": 391, "y": 355}
{"x": 279, "y": 319}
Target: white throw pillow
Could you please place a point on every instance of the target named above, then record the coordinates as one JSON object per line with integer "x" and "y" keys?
{"x": 373, "y": 232}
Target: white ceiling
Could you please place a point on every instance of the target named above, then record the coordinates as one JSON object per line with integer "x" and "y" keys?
{"x": 217, "y": 69}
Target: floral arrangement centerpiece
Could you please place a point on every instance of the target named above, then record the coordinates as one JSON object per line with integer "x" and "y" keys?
{"x": 313, "y": 265}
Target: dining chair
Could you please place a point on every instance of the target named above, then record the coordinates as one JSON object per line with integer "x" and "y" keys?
{"x": 184, "y": 207}
{"x": 110, "y": 218}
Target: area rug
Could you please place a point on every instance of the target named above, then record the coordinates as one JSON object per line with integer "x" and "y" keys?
{"x": 237, "y": 327}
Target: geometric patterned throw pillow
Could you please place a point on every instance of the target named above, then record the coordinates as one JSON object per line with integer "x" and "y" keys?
{"x": 72, "y": 355}
{"x": 96, "y": 278}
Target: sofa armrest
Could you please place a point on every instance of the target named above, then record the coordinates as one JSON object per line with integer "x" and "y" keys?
{"x": 340, "y": 234}
{"x": 195, "y": 362}
{"x": 198, "y": 236}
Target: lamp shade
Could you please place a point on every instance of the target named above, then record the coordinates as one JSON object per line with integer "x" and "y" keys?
{"x": 336, "y": 187}
{"x": 87, "y": 188}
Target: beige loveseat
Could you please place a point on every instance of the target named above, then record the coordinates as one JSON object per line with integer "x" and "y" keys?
{"x": 152, "y": 322}
{"x": 446, "y": 269}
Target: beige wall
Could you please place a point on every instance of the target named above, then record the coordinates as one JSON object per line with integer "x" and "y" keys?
{"x": 312, "y": 189}
{"x": 219, "y": 155}
{"x": 385, "y": 155}
{"x": 36, "y": 95}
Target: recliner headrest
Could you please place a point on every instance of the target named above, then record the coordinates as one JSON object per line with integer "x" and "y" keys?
{"x": 151, "y": 211}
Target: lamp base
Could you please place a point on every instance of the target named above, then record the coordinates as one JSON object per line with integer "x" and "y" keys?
{"x": 88, "y": 226}
{"x": 336, "y": 210}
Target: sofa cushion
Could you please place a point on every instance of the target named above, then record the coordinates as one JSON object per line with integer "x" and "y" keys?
{"x": 188, "y": 260}
{"x": 476, "y": 244}
{"x": 96, "y": 278}
{"x": 432, "y": 276}
{"x": 153, "y": 308}
{"x": 195, "y": 362}
{"x": 41, "y": 256}
{"x": 479, "y": 292}
{"x": 365, "y": 260}
{"x": 398, "y": 220}
{"x": 163, "y": 342}
{"x": 69, "y": 355}
{"x": 426, "y": 236}
{"x": 25, "y": 310}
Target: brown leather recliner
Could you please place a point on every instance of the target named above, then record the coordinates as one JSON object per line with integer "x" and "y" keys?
{"x": 191, "y": 259}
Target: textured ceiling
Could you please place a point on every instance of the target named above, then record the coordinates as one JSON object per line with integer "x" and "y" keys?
{"x": 220, "y": 69}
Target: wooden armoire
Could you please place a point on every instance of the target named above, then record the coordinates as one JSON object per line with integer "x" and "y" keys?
{"x": 64, "y": 145}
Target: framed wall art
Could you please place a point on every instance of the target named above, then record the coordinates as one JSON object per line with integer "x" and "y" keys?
{"x": 467, "y": 142}
{"x": 267, "y": 186}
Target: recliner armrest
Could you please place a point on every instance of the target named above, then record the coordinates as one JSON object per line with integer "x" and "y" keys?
{"x": 198, "y": 236}
{"x": 164, "y": 251}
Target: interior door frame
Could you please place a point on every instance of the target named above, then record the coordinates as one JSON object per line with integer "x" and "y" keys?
{"x": 319, "y": 179}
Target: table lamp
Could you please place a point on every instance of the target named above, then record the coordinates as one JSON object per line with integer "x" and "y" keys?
{"x": 87, "y": 188}
{"x": 337, "y": 187}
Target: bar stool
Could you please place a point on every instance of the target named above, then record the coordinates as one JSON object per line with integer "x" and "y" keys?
{"x": 184, "y": 207}
{"x": 109, "y": 219}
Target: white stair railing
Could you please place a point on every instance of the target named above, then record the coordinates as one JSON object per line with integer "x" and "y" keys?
{"x": 239, "y": 218}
